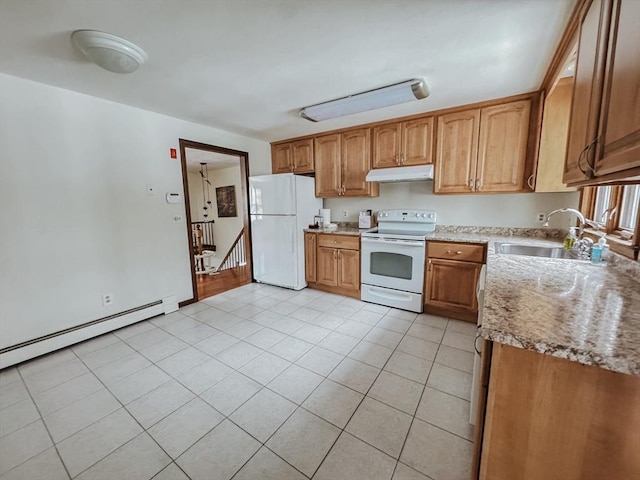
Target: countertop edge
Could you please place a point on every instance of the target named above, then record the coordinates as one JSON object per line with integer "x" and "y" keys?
{"x": 573, "y": 354}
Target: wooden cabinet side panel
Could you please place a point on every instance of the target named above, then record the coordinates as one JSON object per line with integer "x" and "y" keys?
{"x": 417, "y": 142}
{"x": 327, "y": 266}
{"x": 386, "y": 145}
{"x": 310, "y": 244}
{"x": 457, "y": 152}
{"x": 553, "y": 140}
{"x": 327, "y": 165}
{"x": 349, "y": 269}
{"x": 302, "y": 156}
{"x": 585, "y": 103}
{"x": 553, "y": 419}
{"x": 502, "y": 151}
{"x": 356, "y": 161}
{"x": 452, "y": 284}
{"x": 281, "y": 161}
{"x": 620, "y": 122}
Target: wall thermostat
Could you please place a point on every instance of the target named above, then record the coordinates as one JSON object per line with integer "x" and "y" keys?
{"x": 174, "y": 197}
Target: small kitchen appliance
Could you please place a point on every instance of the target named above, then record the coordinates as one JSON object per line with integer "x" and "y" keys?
{"x": 366, "y": 219}
{"x": 393, "y": 257}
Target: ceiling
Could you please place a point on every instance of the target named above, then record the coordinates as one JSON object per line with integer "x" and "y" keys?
{"x": 248, "y": 66}
{"x": 214, "y": 160}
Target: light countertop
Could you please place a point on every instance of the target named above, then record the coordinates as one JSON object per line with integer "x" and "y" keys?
{"x": 566, "y": 308}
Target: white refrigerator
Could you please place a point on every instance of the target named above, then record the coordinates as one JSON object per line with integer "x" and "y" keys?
{"x": 280, "y": 207}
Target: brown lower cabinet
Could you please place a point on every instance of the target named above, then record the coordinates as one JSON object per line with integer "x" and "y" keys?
{"x": 451, "y": 279}
{"x": 332, "y": 263}
{"x": 548, "y": 418}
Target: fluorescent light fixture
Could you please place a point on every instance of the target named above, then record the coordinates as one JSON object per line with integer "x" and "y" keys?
{"x": 395, "y": 94}
{"x": 112, "y": 53}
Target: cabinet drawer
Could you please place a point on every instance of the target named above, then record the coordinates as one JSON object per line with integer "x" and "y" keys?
{"x": 349, "y": 242}
{"x": 456, "y": 251}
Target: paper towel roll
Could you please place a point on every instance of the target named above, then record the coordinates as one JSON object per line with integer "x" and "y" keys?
{"x": 326, "y": 215}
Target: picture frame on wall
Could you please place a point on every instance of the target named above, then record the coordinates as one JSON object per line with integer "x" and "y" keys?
{"x": 226, "y": 200}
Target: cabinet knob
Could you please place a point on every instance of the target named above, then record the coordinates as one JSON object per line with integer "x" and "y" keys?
{"x": 471, "y": 183}
{"x": 451, "y": 252}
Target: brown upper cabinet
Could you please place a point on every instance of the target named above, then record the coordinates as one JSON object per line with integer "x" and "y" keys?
{"x": 604, "y": 130}
{"x": 292, "y": 157}
{"x": 342, "y": 163}
{"x": 403, "y": 143}
{"x": 483, "y": 149}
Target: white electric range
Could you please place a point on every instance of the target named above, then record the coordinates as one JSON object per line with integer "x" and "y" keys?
{"x": 393, "y": 258}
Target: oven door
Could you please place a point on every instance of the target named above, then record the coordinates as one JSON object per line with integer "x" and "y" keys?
{"x": 393, "y": 263}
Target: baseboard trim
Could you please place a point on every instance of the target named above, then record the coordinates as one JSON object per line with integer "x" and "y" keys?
{"x": 63, "y": 338}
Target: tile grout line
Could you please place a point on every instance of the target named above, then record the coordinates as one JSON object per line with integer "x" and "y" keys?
{"x": 144, "y": 430}
{"x": 55, "y": 446}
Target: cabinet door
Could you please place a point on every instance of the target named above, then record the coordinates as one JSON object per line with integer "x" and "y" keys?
{"x": 327, "y": 160}
{"x": 502, "y": 151}
{"x": 619, "y": 135}
{"x": 452, "y": 285}
{"x": 457, "y": 152}
{"x": 302, "y": 154}
{"x": 417, "y": 142}
{"x": 349, "y": 269}
{"x": 281, "y": 161}
{"x": 310, "y": 240}
{"x": 356, "y": 162}
{"x": 583, "y": 125}
{"x": 327, "y": 270}
{"x": 386, "y": 145}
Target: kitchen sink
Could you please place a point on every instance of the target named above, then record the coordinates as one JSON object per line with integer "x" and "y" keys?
{"x": 534, "y": 251}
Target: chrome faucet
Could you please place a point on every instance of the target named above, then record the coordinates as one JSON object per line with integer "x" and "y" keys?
{"x": 568, "y": 210}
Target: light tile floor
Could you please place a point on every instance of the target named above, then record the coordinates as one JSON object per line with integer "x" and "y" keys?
{"x": 256, "y": 383}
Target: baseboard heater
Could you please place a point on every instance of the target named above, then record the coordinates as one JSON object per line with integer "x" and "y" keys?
{"x": 69, "y": 336}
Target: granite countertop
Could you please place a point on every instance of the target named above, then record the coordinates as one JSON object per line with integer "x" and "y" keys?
{"x": 341, "y": 230}
{"x": 566, "y": 308}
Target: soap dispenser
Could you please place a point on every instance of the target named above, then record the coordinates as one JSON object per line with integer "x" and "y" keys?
{"x": 571, "y": 238}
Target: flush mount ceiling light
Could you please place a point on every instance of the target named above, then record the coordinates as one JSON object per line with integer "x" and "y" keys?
{"x": 395, "y": 94}
{"x": 108, "y": 51}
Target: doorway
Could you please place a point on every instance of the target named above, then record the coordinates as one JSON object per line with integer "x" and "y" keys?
{"x": 215, "y": 185}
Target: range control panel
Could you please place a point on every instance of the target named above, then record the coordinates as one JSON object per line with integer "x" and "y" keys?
{"x": 407, "y": 216}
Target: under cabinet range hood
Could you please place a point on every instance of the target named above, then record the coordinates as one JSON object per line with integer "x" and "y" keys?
{"x": 401, "y": 174}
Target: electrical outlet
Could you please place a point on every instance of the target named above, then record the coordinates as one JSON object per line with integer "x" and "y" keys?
{"x": 541, "y": 216}
{"x": 345, "y": 213}
{"x": 107, "y": 299}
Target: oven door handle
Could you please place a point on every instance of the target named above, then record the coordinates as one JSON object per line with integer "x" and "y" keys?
{"x": 408, "y": 243}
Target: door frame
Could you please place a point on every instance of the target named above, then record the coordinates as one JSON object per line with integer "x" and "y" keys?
{"x": 244, "y": 184}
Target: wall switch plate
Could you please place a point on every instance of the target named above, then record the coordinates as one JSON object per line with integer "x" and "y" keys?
{"x": 345, "y": 213}
{"x": 107, "y": 299}
{"x": 541, "y": 216}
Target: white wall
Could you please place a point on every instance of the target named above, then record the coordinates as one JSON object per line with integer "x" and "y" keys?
{"x": 75, "y": 218}
{"x": 225, "y": 229}
{"x": 499, "y": 210}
